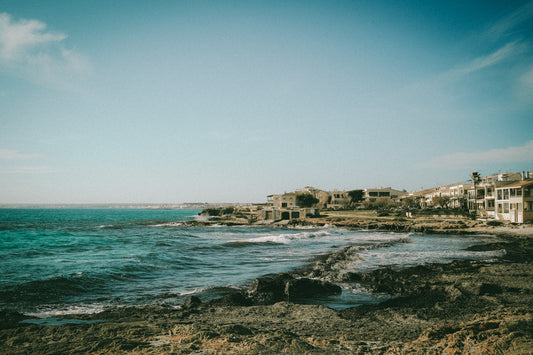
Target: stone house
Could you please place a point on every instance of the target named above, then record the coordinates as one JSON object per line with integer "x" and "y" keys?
{"x": 339, "y": 200}
{"x": 284, "y": 206}
{"x": 286, "y": 200}
{"x": 320, "y": 195}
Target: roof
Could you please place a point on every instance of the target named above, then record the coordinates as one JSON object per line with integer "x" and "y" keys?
{"x": 518, "y": 184}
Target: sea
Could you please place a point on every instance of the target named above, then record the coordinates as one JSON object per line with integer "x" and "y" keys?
{"x": 55, "y": 262}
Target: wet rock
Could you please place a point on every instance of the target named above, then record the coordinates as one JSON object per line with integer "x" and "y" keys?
{"x": 270, "y": 289}
{"x": 191, "y": 303}
{"x": 10, "y": 318}
{"x": 305, "y": 288}
{"x": 232, "y": 299}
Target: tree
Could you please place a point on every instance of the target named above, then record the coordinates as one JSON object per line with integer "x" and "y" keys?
{"x": 306, "y": 200}
{"x": 441, "y": 201}
{"x": 410, "y": 203}
{"x": 476, "y": 179}
{"x": 356, "y": 195}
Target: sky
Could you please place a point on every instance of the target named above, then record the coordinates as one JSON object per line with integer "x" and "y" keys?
{"x": 230, "y": 101}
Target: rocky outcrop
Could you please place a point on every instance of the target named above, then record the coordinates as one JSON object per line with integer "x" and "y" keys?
{"x": 309, "y": 288}
{"x": 270, "y": 289}
{"x": 10, "y": 318}
{"x": 273, "y": 288}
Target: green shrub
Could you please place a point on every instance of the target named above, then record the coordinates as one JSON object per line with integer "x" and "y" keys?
{"x": 228, "y": 210}
{"x": 494, "y": 223}
{"x": 212, "y": 211}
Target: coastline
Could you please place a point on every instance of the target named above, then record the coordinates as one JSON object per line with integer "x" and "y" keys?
{"x": 458, "y": 307}
{"x": 369, "y": 220}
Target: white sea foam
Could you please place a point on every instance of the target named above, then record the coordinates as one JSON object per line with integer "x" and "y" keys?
{"x": 53, "y": 311}
{"x": 285, "y": 238}
{"x": 201, "y": 218}
{"x": 168, "y": 224}
{"x": 192, "y": 292}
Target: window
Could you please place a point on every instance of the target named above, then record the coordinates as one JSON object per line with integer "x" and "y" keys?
{"x": 384, "y": 194}
{"x": 373, "y": 193}
{"x": 505, "y": 194}
{"x": 513, "y": 192}
{"x": 519, "y": 192}
{"x": 506, "y": 207}
{"x": 499, "y": 194}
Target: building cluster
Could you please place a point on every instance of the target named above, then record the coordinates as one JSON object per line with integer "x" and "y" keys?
{"x": 504, "y": 197}
{"x": 286, "y": 207}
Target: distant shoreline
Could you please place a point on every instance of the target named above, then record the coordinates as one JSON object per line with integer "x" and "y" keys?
{"x": 153, "y": 206}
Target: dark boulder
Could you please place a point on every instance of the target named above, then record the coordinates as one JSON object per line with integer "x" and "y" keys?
{"x": 232, "y": 299}
{"x": 270, "y": 289}
{"x": 489, "y": 289}
{"x": 191, "y": 303}
{"x": 306, "y": 288}
{"x": 10, "y": 318}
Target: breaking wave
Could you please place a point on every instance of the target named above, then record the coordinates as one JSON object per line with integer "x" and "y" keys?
{"x": 278, "y": 239}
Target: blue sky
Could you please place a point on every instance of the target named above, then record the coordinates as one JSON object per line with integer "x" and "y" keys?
{"x": 229, "y": 101}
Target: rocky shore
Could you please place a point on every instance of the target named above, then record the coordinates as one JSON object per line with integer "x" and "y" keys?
{"x": 461, "y": 307}
{"x": 366, "y": 220}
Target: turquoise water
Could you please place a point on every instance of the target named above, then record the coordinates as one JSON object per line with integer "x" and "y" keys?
{"x": 58, "y": 261}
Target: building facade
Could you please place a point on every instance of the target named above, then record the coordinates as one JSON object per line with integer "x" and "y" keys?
{"x": 372, "y": 195}
{"x": 514, "y": 202}
{"x": 482, "y": 199}
{"x": 320, "y": 195}
{"x": 339, "y": 200}
{"x": 286, "y": 200}
{"x": 284, "y": 206}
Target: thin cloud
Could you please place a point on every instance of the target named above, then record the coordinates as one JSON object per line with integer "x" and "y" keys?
{"x": 512, "y": 46}
{"x": 507, "y": 52}
{"x": 28, "y": 170}
{"x": 510, "y": 22}
{"x": 9, "y": 154}
{"x": 522, "y": 154}
{"x": 28, "y": 49}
